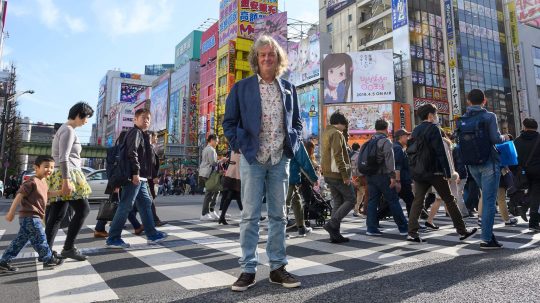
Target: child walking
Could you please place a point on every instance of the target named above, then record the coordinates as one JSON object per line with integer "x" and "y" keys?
{"x": 32, "y": 197}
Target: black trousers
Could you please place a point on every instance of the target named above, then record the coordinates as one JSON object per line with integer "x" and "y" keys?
{"x": 56, "y": 212}
{"x": 226, "y": 199}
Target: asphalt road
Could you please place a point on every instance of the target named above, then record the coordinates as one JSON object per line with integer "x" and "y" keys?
{"x": 199, "y": 261}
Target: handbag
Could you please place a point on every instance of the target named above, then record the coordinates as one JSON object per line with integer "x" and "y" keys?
{"x": 522, "y": 182}
{"x": 107, "y": 209}
{"x": 214, "y": 182}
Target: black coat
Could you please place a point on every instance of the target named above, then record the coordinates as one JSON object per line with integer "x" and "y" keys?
{"x": 139, "y": 153}
{"x": 524, "y": 145}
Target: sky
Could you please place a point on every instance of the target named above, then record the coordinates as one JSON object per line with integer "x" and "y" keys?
{"x": 63, "y": 48}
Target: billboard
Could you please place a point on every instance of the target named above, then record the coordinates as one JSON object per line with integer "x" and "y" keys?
{"x": 304, "y": 60}
{"x": 334, "y": 6}
{"x": 209, "y": 43}
{"x": 158, "y": 106}
{"x": 188, "y": 49}
{"x": 252, "y": 10}
{"x": 399, "y": 13}
{"x": 129, "y": 92}
{"x": 359, "y": 77}
{"x": 362, "y": 117}
{"x": 528, "y": 12}
{"x": 309, "y": 112}
{"x": 228, "y": 21}
{"x": 274, "y": 26}
{"x": 179, "y": 83}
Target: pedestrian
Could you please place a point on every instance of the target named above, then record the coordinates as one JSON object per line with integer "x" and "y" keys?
{"x": 32, "y": 198}
{"x": 336, "y": 169}
{"x": 528, "y": 150}
{"x": 231, "y": 187}
{"x": 403, "y": 174}
{"x": 262, "y": 122}
{"x": 384, "y": 181}
{"x": 140, "y": 158}
{"x": 66, "y": 151}
{"x": 154, "y": 180}
{"x": 359, "y": 182}
{"x": 480, "y": 155}
{"x": 299, "y": 165}
{"x": 429, "y": 167}
{"x": 458, "y": 188}
{"x": 209, "y": 163}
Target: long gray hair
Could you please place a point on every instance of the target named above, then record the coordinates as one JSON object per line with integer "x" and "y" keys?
{"x": 282, "y": 62}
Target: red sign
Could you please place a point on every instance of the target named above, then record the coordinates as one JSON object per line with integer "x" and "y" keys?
{"x": 442, "y": 106}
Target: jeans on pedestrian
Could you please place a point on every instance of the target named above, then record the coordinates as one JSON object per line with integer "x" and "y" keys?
{"x": 100, "y": 225}
{"x": 254, "y": 177}
{"x": 343, "y": 198}
{"x": 487, "y": 177}
{"x": 133, "y": 193}
{"x": 31, "y": 229}
{"x": 379, "y": 185}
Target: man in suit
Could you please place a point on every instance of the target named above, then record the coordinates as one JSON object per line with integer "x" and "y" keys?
{"x": 262, "y": 122}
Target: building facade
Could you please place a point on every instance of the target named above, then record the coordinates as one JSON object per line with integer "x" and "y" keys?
{"x": 207, "y": 100}
{"x": 157, "y": 69}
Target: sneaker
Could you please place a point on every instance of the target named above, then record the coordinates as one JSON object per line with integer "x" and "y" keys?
{"x": 417, "y": 240}
{"x": 334, "y": 233}
{"x": 303, "y": 231}
{"x": 207, "y": 217}
{"x": 493, "y": 244}
{"x": 422, "y": 229}
{"x": 374, "y": 233}
{"x": 283, "y": 277}
{"x": 214, "y": 215}
{"x": 100, "y": 234}
{"x": 511, "y": 222}
{"x": 117, "y": 244}
{"x": 53, "y": 262}
{"x": 6, "y": 267}
{"x": 139, "y": 231}
{"x": 403, "y": 233}
{"x": 340, "y": 239}
{"x": 157, "y": 238}
{"x": 73, "y": 253}
{"x": 431, "y": 226}
{"x": 469, "y": 233}
{"x": 245, "y": 281}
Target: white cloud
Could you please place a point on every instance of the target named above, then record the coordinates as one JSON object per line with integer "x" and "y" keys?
{"x": 49, "y": 13}
{"x": 133, "y": 17}
{"x": 76, "y": 25}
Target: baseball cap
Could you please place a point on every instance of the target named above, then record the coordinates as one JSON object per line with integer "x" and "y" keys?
{"x": 401, "y": 132}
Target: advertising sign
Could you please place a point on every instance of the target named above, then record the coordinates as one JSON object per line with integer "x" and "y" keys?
{"x": 309, "y": 112}
{"x": 359, "y": 77}
{"x": 252, "y": 10}
{"x": 399, "y": 13}
{"x": 274, "y": 26}
{"x": 188, "y": 49}
{"x": 362, "y": 117}
{"x": 305, "y": 60}
{"x": 158, "y": 106}
{"x": 228, "y": 21}
{"x": 179, "y": 83}
{"x": 334, "y": 6}
{"x": 529, "y": 12}
{"x": 209, "y": 43}
{"x": 442, "y": 106}
{"x": 453, "y": 84}
{"x": 129, "y": 92}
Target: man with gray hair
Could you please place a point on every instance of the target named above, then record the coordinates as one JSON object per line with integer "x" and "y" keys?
{"x": 262, "y": 122}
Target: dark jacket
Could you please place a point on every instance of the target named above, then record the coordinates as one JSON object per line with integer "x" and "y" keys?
{"x": 434, "y": 137}
{"x": 139, "y": 152}
{"x": 492, "y": 125}
{"x": 402, "y": 164}
{"x": 301, "y": 164}
{"x": 524, "y": 145}
{"x": 243, "y": 112}
{"x": 459, "y": 167}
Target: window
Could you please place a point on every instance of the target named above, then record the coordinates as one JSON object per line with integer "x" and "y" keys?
{"x": 536, "y": 52}
{"x": 350, "y": 17}
{"x": 329, "y": 27}
{"x": 538, "y": 91}
{"x": 537, "y": 72}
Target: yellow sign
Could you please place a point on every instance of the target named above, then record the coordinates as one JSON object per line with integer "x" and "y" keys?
{"x": 513, "y": 23}
{"x": 452, "y": 63}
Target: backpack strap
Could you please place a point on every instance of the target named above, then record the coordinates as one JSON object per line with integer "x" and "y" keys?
{"x": 532, "y": 151}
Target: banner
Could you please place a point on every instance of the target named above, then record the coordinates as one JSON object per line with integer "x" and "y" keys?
{"x": 529, "y": 12}
{"x": 228, "y": 21}
{"x": 399, "y": 13}
{"x": 453, "y": 84}
{"x": 309, "y": 112}
{"x": 334, "y": 6}
{"x": 158, "y": 106}
{"x": 252, "y": 10}
{"x": 305, "y": 60}
{"x": 359, "y": 77}
{"x": 129, "y": 92}
{"x": 442, "y": 106}
{"x": 274, "y": 26}
{"x": 362, "y": 117}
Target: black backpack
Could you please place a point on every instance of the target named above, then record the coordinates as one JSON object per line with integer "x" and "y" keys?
{"x": 118, "y": 167}
{"x": 367, "y": 159}
{"x": 420, "y": 154}
{"x": 474, "y": 144}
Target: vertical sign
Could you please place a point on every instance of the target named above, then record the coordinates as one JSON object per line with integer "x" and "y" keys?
{"x": 453, "y": 83}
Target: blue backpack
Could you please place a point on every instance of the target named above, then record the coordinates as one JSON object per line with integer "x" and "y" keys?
{"x": 118, "y": 167}
{"x": 474, "y": 144}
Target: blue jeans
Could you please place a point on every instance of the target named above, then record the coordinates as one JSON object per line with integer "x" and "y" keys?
{"x": 487, "y": 177}
{"x": 254, "y": 177}
{"x": 133, "y": 193}
{"x": 31, "y": 229}
{"x": 379, "y": 185}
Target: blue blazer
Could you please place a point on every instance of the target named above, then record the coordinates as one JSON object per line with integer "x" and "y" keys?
{"x": 243, "y": 113}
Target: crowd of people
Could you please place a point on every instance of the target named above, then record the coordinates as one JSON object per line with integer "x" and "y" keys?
{"x": 268, "y": 164}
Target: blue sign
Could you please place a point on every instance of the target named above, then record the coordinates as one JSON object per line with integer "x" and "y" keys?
{"x": 399, "y": 13}
{"x": 334, "y": 6}
{"x": 448, "y": 16}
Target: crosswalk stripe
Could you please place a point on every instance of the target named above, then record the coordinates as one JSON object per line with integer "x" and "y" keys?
{"x": 188, "y": 273}
{"x": 297, "y": 266}
{"x": 73, "y": 281}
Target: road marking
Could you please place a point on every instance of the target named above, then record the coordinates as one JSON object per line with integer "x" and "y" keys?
{"x": 72, "y": 281}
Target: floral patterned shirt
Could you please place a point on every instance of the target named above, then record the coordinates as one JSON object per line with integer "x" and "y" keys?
{"x": 272, "y": 133}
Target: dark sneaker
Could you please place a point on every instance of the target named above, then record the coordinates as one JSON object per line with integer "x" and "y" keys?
{"x": 157, "y": 238}
{"x": 432, "y": 226}
{"x": 303, "y": 231}
{"x": 283, "y": 277}
{"x": 245, "y": 281}
{"x": 339, "y": 239}
{"x": 53, "y": 262}
{"x": 333, "y": 232}
{"x": 511, "y": 222}
{"x": 416, "y": 240}
{"x": 73, "y": 253}
{"x": 534, "y": 228}
{"x": 469, "y": 233}
{"x": 374, "y": 233}
{"x": 493, "y": 244}
{"x": 117, "y": 244}
{"x": 6, "y": 267}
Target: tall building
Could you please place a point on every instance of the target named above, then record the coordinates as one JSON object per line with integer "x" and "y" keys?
{"x": 207, "y": 100}
{"x": 189, "y": 49}
{"x": 157, "y": 69}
